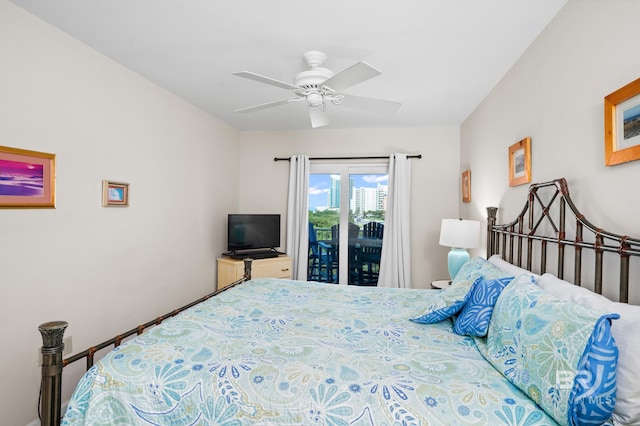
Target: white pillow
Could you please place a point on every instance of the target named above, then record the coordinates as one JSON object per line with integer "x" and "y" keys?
{"x": 626, "y": 332}
{"x": 509, "y": 268}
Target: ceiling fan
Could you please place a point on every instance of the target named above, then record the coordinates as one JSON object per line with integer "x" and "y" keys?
{"x": 319, "y": 85}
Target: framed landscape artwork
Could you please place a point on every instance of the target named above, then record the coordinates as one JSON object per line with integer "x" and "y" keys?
{"x": 622, "y": 125}
{"x": 27, "y": 178}
{"x": 115, "y": 194}
{"x": 520, "y": 162}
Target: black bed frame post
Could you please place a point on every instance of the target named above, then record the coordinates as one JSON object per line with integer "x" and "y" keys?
{"x": 624, "y": 271}
{"x": 561, "y": 237}
{"x": 512, "y": 229}
{"x": 51, "y": 385}
{"x": 491, "y": 221}
{"x": 577, "y": 262}
{"x": 530, "y": 207}
{"x": 247, "y": 268}
{"x": 597, "y": 286}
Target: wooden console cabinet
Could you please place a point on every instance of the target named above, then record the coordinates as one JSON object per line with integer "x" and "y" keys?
{"x": 231, "y": 270}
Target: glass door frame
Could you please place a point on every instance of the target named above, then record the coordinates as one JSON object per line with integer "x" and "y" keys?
{"x": 345, "y": 170}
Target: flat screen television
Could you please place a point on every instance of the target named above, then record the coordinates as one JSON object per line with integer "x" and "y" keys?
{"x": 253, "y": 232}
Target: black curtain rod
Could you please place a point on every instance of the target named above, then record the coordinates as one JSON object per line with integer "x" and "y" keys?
{"x": 380, "y": 157}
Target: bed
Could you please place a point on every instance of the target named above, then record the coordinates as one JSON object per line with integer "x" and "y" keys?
{"x": 271, "y": 351}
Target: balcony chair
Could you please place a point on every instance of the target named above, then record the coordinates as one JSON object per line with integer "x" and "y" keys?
{"x": 354, "y": 268}
{"x": 319, "y": 258}
{"x": 370, "y": 256}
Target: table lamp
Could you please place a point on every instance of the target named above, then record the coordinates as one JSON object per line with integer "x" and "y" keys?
{"x": 459, "y": 235}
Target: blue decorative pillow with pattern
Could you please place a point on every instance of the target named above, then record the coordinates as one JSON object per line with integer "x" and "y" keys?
{"x": 451, "y": 299}
{"x": 477, "y": 310}
{"x": 560, "y": 353}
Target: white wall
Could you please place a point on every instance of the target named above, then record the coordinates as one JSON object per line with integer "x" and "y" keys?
{"x": 80, "y": 262}
{"x": 435, "y": 178}
{"x": 554, "y": 94}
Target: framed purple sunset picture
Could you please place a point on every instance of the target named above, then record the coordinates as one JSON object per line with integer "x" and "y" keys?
{"x": 27, "y": 178}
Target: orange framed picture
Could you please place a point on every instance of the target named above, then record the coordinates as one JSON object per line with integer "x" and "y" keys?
{"x": 622, "y": 125}
{"x": 466, "y": 186}
{"x": 520, "y": 162}
{"x": 27, "y": 178}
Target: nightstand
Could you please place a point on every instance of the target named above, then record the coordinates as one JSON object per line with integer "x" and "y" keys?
{"x": 440, "y": 284}
{"x": 231, "y": 270}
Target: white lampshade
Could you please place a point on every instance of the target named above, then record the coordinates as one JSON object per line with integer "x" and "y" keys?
{"x": 460, "y": 233}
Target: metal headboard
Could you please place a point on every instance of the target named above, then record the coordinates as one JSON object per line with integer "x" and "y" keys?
{"x": 546, "y": 224}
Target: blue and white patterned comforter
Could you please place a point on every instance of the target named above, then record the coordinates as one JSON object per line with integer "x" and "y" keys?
{"x": 296, "y": 353}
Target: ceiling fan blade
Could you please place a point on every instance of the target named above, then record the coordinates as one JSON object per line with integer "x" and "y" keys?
{"x": 356, "y": 73}
{"x": 370, "y": 104}
{"x": 319, "y": 116}
{"x": 267, "y": 80}
{"x": 268, "y": 105}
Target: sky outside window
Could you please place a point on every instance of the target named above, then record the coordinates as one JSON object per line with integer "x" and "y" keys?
{"x": 320, "y": 186}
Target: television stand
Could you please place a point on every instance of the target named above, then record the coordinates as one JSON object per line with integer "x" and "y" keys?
{"x": 231, "y": 270}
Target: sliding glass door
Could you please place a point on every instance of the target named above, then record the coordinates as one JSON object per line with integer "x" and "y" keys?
{"x": 347, "y": 204}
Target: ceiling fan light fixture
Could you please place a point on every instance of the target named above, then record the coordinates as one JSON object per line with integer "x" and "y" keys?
{"x": 315, "y": 100}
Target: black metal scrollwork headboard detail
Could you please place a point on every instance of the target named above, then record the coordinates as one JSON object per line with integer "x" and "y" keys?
{"x": 546, "y": 226}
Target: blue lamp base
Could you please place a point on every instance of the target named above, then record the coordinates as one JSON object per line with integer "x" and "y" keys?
{"x": 457, "y": 257}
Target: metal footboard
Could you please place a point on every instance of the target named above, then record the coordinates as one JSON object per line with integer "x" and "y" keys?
{"x": 52, "y": 347}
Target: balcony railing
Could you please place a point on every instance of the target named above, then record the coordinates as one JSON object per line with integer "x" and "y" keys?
{"x": 363, "y": 257}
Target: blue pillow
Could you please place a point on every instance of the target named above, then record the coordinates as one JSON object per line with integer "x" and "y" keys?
{"x": 593, "y": 396}
{"x": 559, "y": 353}
{"x": 476, "y": 313}
{"x": 442, "y": 309}
{"x": 451, "y": 299}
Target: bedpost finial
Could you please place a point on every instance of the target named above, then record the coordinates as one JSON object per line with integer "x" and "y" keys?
{"x": 52, "y": 333}
{"x": 492, "y": 212}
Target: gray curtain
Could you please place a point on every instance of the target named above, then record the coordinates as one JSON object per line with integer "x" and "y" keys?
{"x": 298, "y": 216}
{"x": 395, "y": 260}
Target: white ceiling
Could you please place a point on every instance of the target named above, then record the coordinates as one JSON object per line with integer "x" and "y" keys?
{"x": 439, "y": 58}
